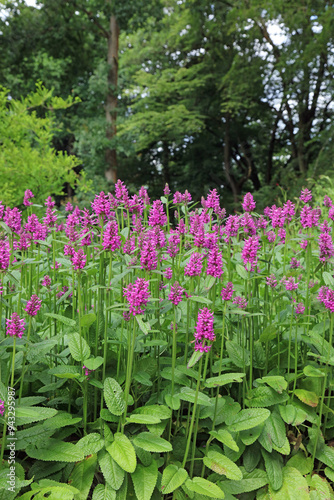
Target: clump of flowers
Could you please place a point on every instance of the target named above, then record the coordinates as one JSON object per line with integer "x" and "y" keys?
{"x": 176, "y": 293}
{"x": 111, "y": 239}
{"x": 4, "y": 255}
{"x": 195, "y": 264}
{"x": 33, "y": 305}
{"x": 137, "y": 294}
{"x": 248, "y": 203}
{"x": 290, "y": 283}
{"x": 87, "y": 372}
{"x": 305, "y": 195}
{"x": 300, "y": 308}
{"x": 204, "y": 331}
{"x": 227, "y": 292}
{"x": 271, "y": 281}
{"x": 79, "y": 259}
{"x": 215, "y": 263}
{"x": 28, "y": 195}
{"x": 249, "y": 252}
{"x": 2, "y": 407}
{"x": 240, "y": 302}
{"x": 15, "y": 326}
{"x": 168, "y": 273}
{"x": 46, "y": 281}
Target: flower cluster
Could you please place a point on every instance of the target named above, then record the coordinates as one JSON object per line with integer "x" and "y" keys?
{"x": 137, "y": 294}
{"x": 227, "y": 292}
{"x": 204, "y": 331}
{"x": 33, "y": 305}
{"x": 15, "y": 326}
{"x": 27, "y": 197}
{"x": 2, "y": 407}
{"x": 176, "y": 293}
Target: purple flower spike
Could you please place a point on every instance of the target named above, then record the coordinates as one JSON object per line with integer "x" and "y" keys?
{"x": 176, "y": 293}
{"x": 204, "y": 330}
{"x": 138, "y": 295}
{"x": 15, "y": 326}
{"x": 27, "y": 197}
{"x": 33, "y": 305}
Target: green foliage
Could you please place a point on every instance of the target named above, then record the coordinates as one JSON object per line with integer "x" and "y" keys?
{"x": 27, "y": 158}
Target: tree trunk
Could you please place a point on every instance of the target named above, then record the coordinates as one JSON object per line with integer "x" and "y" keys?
{"x": 111, "y": 101}
{"x": 227, "y": 161}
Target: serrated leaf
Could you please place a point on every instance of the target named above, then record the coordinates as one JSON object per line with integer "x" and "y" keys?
{"x": 79, "y": 348}
{"x": 292, "y": 415}
{"x": 145, "y": 327}
{"x": 300, "y": 462}
{"x": 226, "y": 438}
{"x": 312, "y": 371}
{"x": 251, "y": 481}
{"x": 65, "y": 371}
{"x": 90, "y": 444}
{"x": 104, "y": 492}
{"x": 294, "y": 486}
{"x": 123, "y": 452}
{"x": 142, "y": 419}
{"x": 200, "y": 299}
{"x": 173, "y": 402}
{"x": 143, "y": 378}
{"x": 275, "y": 429}
{"x": 226, "y": 378}
{"x": 188, "y": 394}
{"x": 151, "y": 442}
{"x": 55, "y": 450}
{"x": 112, "y": 472}
{"x": 172, "y": 478}
{"x": 28, "y": 414}
{"x": 204, "y": 487}
{"x": 308, "y": 397}
{"x": 60, "y": 420}
{"x": 246, "y": 419}
{"x": 82, "y": 476}
{"x": 277, "y": 382}
{"x": 144, "y": 480}
{"x": 264, "y": 396}
{"x": 113, "y": 396}
{"x": 237, "y": 354}
{"x": 160, "y": 411}
{"x": 249, "y": 436}
{"x": 194, "y": 358}
{"x": 222, "y": 465}
{"x": 274, "y": 466}
{"x": 329, "y": 473}
{"x": 62, "y": 319}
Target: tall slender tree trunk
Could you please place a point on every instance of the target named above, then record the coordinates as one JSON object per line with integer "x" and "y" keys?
{"x": 111, "y": 100}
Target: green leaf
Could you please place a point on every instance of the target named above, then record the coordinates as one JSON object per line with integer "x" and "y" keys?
{"x": 294, "y": 486}
{"x": 264, "y": 396}
{"x": 227, "y": 378}
{"x": 173, "y": 401}
{"x": 226, "y": 438}
{"x": 150, "y": 442}
{"x": 87, "y": 320}
{"x": 144, "y": 480}
{"x": 90, "y": 444}
{"x": 329, "y": 473}
{"x": 249, "y": 436}
{"x": 62, "y": 319}
{"x": 200, "y": 300}
{"x": 222, "y": 465}
{"x": 273, "y": 465}
{"x": 194, "y": 358}
{"x": 242, "y": 272}
{"x": 123, "y": 452}
{"x": 160, "y": 411}
{"x": 246, "y": 419}
{"x": 251, "y": 481}
{"x": 82, "y": 476}
{"x": 54, "y": 449}
{"x": 188, "y": 394}
{"x": 274, "y": 428}
{"x": 328, "y": 279}
{"x": 301, "y": 463}
{"x": 172, "y": 478}
{"x": 277, "y": 382}
{"x": 93, "y": 363}
{"x": 292, "y": 415}
{"x": 308, "y": 397}
{"x": 312, "y": 371}
{"x": 60, "y": 420}
{"x": 143, "y": 378}
{"x": 104, "y": 492}
{"x": 204, "y": 487}
{"x": 79, "y": 348}
{"x": 142, "y": 419}
{"x": 65, "y": 371}
{"x": 28, "y": 414}
{"x": 145, "y": 327}
{"x": 112, "y": 472}
{"x": 238, "y": 355}
{"x": 113, "y": 396}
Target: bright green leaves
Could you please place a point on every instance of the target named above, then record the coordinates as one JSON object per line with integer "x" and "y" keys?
{"x": 144, "y": 480}
{"x": 274, "y": 465}
{"x": 246, "y": 419}
{"x": 112, "y": 472}
{"x": 294, "y": 486}
{"x": 113, "y": 396}
{"x": 79, "y": 348}
{"x": 150, "y": 442}
{"x": 123, "y": 452}
{"x": 172, "y": 478}
{"x": 222, "y": 465}
{"x": 82, "y": 476}
{"x": 308, "y": 397}
{"x": 226, "y": 378}
{"x": 28, "y": 414}
{"x": 204, "y": 487}
{"x": 226, "y": 438}
{"x": 53, "y": 449}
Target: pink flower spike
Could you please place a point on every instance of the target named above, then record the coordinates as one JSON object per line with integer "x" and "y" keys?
{"x": 33, "y": 305}
{"x": 248, "y": 203}
{"x": 15, "y": 326}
